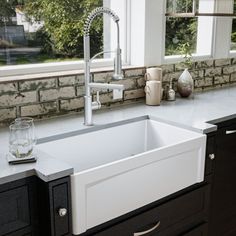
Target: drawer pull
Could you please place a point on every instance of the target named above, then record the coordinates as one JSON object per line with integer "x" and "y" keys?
{"x": 212, "y": 156}
{"x": 62, "y": 212}
{"x": 149, "y": 230}
{"x": 230, "y": 131}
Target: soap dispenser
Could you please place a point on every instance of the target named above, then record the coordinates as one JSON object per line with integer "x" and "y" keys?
{"x": 170, "y": 96}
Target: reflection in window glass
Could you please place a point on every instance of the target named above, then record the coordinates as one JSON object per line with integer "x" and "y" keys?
{"x": 233, "y": 36}
{"x": 233, "y": 33}
{"x": 181, "y": 6}
{"x": 36, "y": 31}
{"x": 180, "y": 31}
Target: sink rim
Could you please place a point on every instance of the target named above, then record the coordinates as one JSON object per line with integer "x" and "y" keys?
{"x": 87, "y": 129}
{"x": 90, "y": 129}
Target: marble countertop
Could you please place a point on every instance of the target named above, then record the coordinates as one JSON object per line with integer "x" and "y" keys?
{"x": 198, "y": 113}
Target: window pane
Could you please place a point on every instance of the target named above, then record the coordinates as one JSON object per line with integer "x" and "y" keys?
{"x": 37, "y": 31}
{"x": 181, "y": 6}
{"x": 178, "y": 32}
{"x": 233, "y": 36}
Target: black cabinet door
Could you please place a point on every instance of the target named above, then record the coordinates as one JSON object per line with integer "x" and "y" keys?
{"x": 18, "y": 210}
{"x": 14, "y": 210}
{"x": 60, "y": 209}
{"x": 223, "y": 196}
{"x": 55, "y": 207}
{"x": 210, "y": 154}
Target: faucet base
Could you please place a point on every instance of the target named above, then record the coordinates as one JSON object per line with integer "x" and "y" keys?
{"x": 88, "y": 120}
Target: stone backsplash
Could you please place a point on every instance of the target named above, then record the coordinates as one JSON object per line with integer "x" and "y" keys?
{"x": 53, "y": 96}
{"x": 207, "y": 75}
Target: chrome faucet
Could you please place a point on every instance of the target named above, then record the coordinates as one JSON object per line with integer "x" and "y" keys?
{"x": 90, "y": 105}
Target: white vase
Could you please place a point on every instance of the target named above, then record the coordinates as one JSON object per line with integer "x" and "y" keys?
{"x": 185, "y": 84}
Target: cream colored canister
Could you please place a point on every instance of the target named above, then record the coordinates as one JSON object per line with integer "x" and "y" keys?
{"x": 153, "y": 73}
{"x": 153, "y": 92}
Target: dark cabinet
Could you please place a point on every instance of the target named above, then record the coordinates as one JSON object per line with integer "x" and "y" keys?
{"x": 210, "y": 154}
{"x": 31, "y": 207}
{"x": 18, "y": 208}
{"x": 201, "y": 230}
{"x": 223, "y": 196}
{"x": 55, "y": 207}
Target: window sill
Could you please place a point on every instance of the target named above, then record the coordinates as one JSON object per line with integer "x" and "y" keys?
{"x": 28, "y": 69}
{"x": 47, "y": 75}
{"x": 178, "y": 58}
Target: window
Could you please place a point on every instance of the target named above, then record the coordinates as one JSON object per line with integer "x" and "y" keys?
{"x": 233, "y": 33}
{"x": 184, "y": 27}
{"x": 44, "y": 31}
{"x": 180, "y": 30}
{"x": 49, "y": 31}
{"x": 233, "y": 36}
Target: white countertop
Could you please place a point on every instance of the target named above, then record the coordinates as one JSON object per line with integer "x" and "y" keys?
{"x": 193, "y": 113}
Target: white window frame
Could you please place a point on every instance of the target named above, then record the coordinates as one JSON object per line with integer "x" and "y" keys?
{"x": 223, "y": 29}
{"x": 204, "y": 44}
{"x": 15, "y": 70}
{"x": 148, "y": 22}
{"x": 144, "y": 43}
{"x": 220, "y": 37}
{"x": 232, "y": 53}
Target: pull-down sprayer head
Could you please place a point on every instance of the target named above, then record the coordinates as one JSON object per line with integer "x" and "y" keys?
{"x": 117, "y": 61}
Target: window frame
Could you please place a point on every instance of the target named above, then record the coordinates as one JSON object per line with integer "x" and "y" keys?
{"x": 38, "y": 68}
{"x": 196, "y": 56}
{"x": 144, "y": 43}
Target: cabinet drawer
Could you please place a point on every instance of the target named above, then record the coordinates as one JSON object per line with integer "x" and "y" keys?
{"x": 14, "y": 209}
{"x": 198, "y": 231}
{"x": 183, "y": 229}
{"x": 189, "y": 207}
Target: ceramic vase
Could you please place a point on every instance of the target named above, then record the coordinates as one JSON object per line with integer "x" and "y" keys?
{"x": 185, "y": 84}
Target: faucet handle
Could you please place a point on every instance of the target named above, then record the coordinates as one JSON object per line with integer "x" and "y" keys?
{"x": 96, "y": 104}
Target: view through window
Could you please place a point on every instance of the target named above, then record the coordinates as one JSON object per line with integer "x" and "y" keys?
{"x": 233, "y": 34}
{"x": 37, "y": 31}
{"x": 180, "y": 31}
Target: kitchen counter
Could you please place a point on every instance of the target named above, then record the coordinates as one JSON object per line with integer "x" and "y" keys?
{"x": 199, "y": 114}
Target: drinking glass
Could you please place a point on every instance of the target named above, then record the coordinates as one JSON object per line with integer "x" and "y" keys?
{"x": 20, "y": 140}
{"x": 30, "y": 121}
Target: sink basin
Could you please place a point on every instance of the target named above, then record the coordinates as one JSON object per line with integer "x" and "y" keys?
{"x": 126, "y": 166}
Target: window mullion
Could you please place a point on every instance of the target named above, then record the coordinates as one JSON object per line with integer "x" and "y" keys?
{"x": 222, "y": 29}
{"x": 147, "y": 30}
{"x": 205, "y": 28}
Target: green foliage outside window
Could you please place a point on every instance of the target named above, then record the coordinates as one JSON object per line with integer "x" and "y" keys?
{"x": 233, "y": 35}
{"x": 180, "y": 31}
{"x": 62, "y": 32}
{"x": 60, "y": 37}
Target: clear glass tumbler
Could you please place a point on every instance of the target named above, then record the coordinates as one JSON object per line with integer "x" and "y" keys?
{"x": 20, "y": 140}
{"x": 30, "y": 121}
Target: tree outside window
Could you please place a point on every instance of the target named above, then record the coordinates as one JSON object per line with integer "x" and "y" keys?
{"x": 233, "y": 34}
{"x": 180, "y": 30}
{"x": 34, "y": 31}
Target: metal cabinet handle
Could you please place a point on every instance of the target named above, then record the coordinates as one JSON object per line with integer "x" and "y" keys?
{"x": 149, "y": 230}
{"x": 212, "y": 156}
{"x": 62, "y": 212}
{"x": 230, "y": 131}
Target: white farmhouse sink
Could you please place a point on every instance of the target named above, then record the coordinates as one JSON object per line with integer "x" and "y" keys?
{"x": 125, "y": 167}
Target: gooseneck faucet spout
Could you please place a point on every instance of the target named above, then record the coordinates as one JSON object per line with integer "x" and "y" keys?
{"x": 90, "y": 105}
